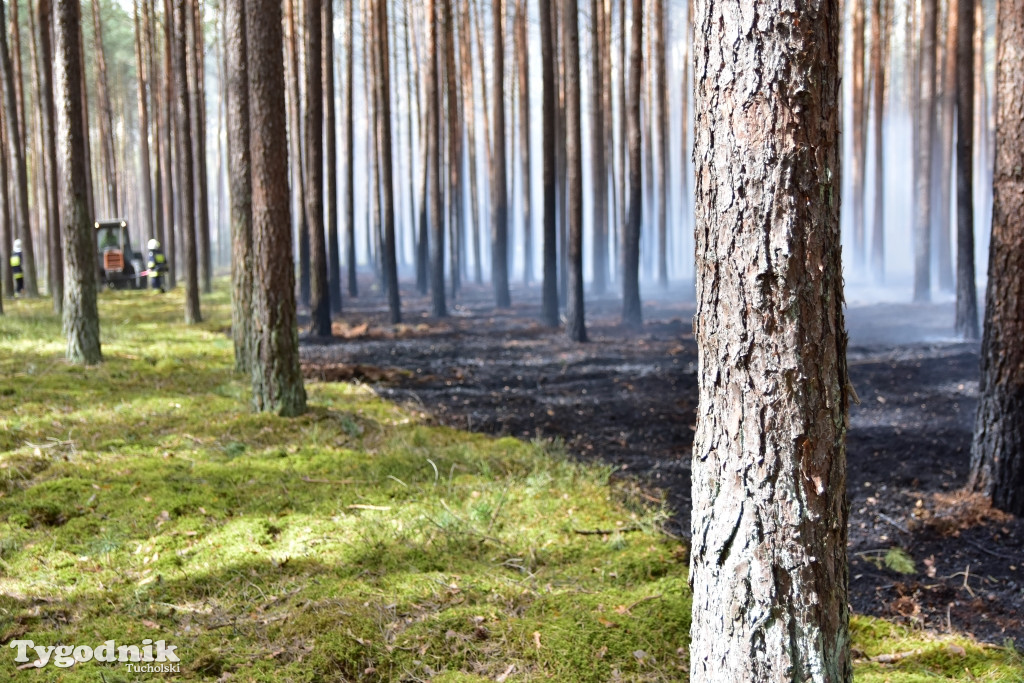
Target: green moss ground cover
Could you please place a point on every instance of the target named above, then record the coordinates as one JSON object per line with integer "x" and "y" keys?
{"x": 142, "y": 499}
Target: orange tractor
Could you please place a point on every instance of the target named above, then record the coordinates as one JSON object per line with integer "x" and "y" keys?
{"x": 119, "y": 266}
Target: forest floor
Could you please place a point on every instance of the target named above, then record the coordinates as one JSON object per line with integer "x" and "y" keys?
{"x": 922, "y": 551}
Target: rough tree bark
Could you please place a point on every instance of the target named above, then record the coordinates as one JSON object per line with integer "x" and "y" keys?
{"x": 186, "y": 171}
{"x": 632, "y": 315}
{"x": 599, "y": 163}
{"x": 768, "y": 566}
{"x": 966, "y": 289}
{"x": 925, "y": 123}
{"x": 239, "y": 170}
{"x": 298, "y": 171}
{"x": 276, "y": 376}
{"x": 997, "y": 455}
{"x": 81, "y": 316}
{"x": 575, "y": 325}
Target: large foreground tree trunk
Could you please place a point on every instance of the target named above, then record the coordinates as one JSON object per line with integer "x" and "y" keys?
{"x": 81, "y": 316}
{"x": 276, "y": 377}
{"x": 997, "y": 455}
{"x": 768, "y": 568}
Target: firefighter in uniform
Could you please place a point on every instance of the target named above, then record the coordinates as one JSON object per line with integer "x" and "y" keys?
{"x": 16, "y": 269}
{"x": 156, "y": 265}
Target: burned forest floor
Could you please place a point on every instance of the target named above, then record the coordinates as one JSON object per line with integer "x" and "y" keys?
{"x": 922, "y": 551}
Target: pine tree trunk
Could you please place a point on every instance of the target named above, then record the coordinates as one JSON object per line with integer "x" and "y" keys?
{"x": 661, "y": 95}
{"x": 106, "y": 117}
{"x": 997, "y": 454}
{"x": 186, "y": 163}
{"x": 925, "y": 123}
{"x": 575, "y": 325}
{"x": 19, "y": 170}
{"x": 6, "y": 236}
{"x": 599, "y": 171}
{"x": 632, "y": 315}
{"x": 860, "y": 139}
{"x": 197, "y": 97}
{"x": 469, "y": 111}
{"x": 237, "y": 87}
{"x": 523, "y": 61}
{"x": 276, "y": 376}
{"x": 81, "y": 316}
{"x": 45, "y": 68}
{"x": 350, "y": 157}
{"x": 623, "y": 137}
{"x": 879, "y": 48}
{"x": 383, "y": 135}
{"x": 966, "y": 289}
{"x": 423, "y": 241}
{"x": 170, "y": 182}
{"x": 145, "y": 178}
{"x": 433, "y": 184}
{"x": 331, "y": 151}
{"x": 549, "y": 295}
{"x": 313, "y": 109}
{"x": 454, "y": 148}
{"x": 295, "y": 150}
{"x": 768, "y": 565}
{"x": 499, "y": 195}
{"x": 947, "y": 115}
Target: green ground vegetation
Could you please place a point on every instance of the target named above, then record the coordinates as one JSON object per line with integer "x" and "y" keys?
{"x": 141, "y": 498}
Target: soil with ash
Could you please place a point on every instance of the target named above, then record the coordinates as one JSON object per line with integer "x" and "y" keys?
{"x": 628, "y": 399}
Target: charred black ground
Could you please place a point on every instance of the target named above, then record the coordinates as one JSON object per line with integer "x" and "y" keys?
{"x": 628, "y": 399}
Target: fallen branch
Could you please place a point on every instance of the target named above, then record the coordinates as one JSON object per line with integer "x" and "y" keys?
{"x": 893, "y": 657}
{"x": 607, "y": 532}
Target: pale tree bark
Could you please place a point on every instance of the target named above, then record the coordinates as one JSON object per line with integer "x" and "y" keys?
{"x": 433, "y": 184}
{"x": 575, "y": 323}
{"x": 944, "y": 167}
{"x": 523, "y": 68}
{"x": 632, "y": 314}
{"x": 145, "y": 179}
{"x": 768, "y": 566}
{"x": 19, "y": 170}
{"x": 106, "y": 116}
{"x": 331, "y": 151}
{"x": 81, "y": 315}
{"x": 966, "y": 289}
{"x": 881, "y": 16}
{"x": 426, "y": 112}
{"x": 599, "y": 171}
{"x": 276, "y": 376}
{"x": 499, "y": 189}
{"x": 383, "y": 138}
{"x": 239, "y": 169}
{"x": 997, "y": 454}
{"x": 454, "y": 119}
{"x": 186, "y": 170}
{"x": 610, "y": 183}
{"x": 412, "y": 101}
{"x": 197, "y": 97}
{"x": 350, "y": 156}
{"x": 170, "y": 182}
{"x": 661, "y": 123}
{"x": 45, "y": 69}
{"x": 298, "y": 171}
{"x": 469, "y": 110}
{"x": 6, "y": 238}
{"x": 925, "y": 123}
{"x": 313, "y": 109}
{"x": 44, "y": 226}
{"x": 860, "y": 138}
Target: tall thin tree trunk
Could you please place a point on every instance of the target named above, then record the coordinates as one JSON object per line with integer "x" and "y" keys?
{"x": 860, "y": 138}
{"x": 412, "y": 100}
{"x": 81, "y": 315}
{"x": 237, "y": 89}
{"x": 198, "y": 100}
{"x": 454, "y": 147}
{"x": 769, "y": 568}
{"x": 106, "y": 116}
{"x": 945, "y": 144}
{"x": 19, "y": 170}
{"x": 549, "y": 296}
{"x": 313, "y": 110}
{"x": 45, "y": 67}
{"x": 350, "y": 156}
{"x": 923, "y": 176}
{"x": 499, "y": 190}
{"x": 599, "y": 170}
{"x": 276, "y": 376}
{"x": 879, "y": 51}
{"x": 423, "y": 241}
{"x": 575, "y": 324}
{"x": 6, "y": 236}
{"x": 623, "y": 141}
{"x": 469, "y": 111}
{"x": 383, "y": 136}
{"x": 44, "y": 224}
{"x": 186, "y": 163}
{"x": 966, "y": 289}
{"x": 331, "y": 151}
{"x": 433, "y": 131}
{"x": 523, "y": 60}
{"x": 296, "y": 155}
{"x": 169, "y": 137}
{"x": 632, "y": 314}
{"x": 143, "y": 84}
{"x": 661, "y": 122}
